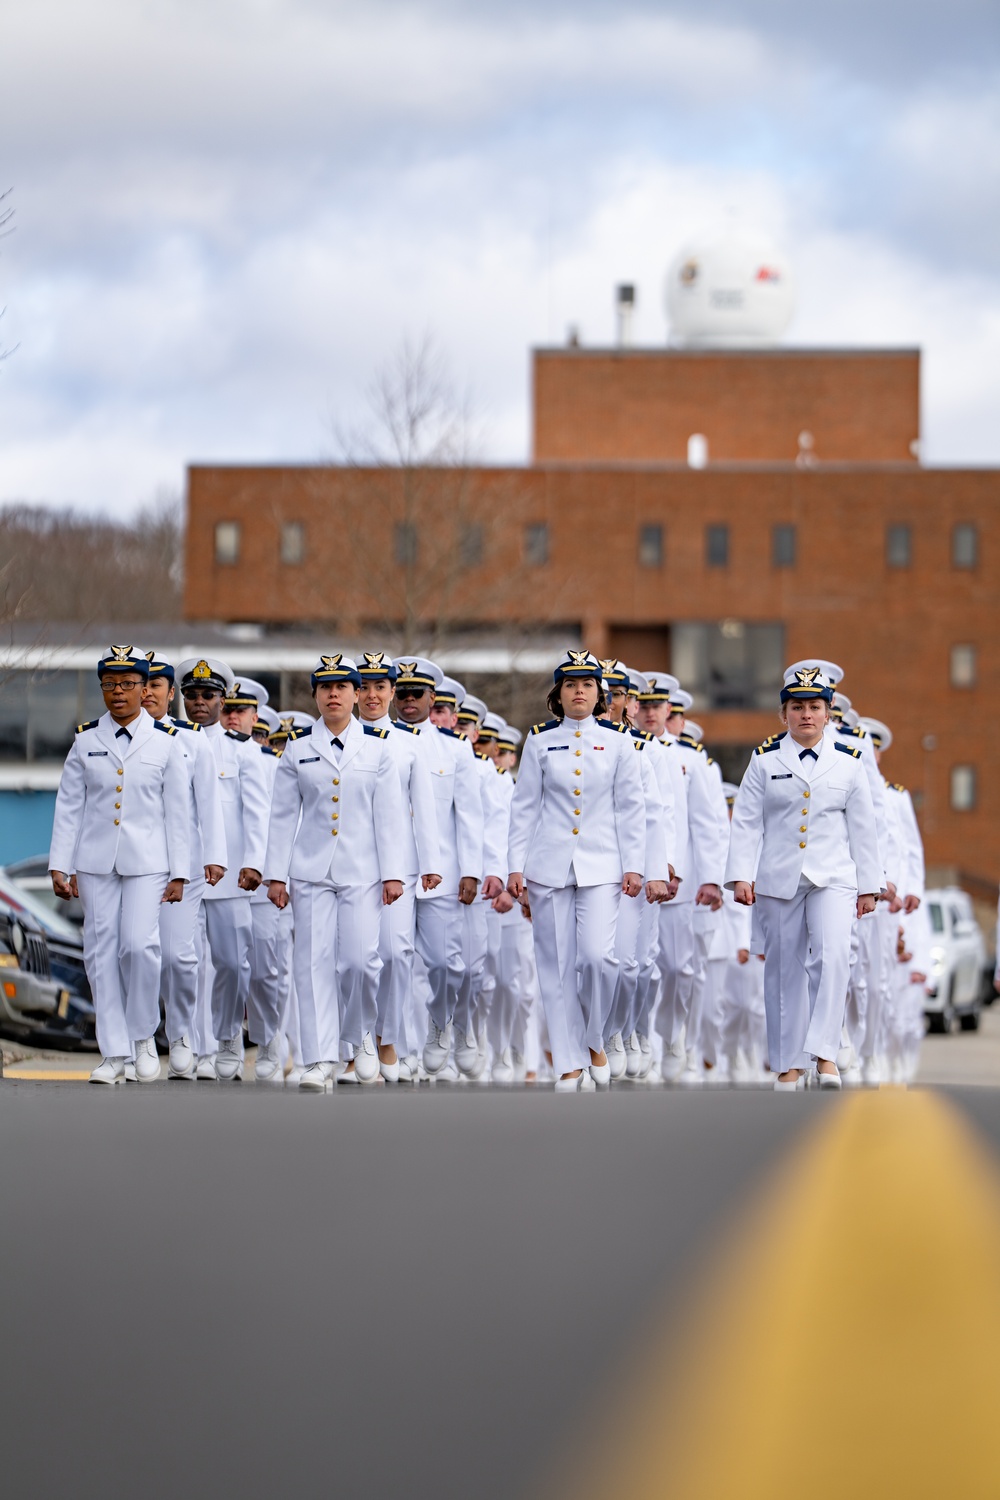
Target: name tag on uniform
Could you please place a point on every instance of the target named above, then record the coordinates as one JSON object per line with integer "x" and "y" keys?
{"x": 786, "y": 777}
{"x": 307, "y": 760}
{"x": 550, "y": 748}
{"x": 97, "y": 752}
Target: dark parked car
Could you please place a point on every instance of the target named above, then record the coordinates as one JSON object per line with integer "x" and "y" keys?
{"x": 44, "y": 992}
{"x": 32, "y": 875}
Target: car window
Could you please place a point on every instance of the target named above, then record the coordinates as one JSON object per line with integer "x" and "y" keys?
{"x": 937, "y": 917}
{"x": 957, "y": 918}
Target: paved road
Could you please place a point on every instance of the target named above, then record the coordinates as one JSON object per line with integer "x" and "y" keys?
{"x": 967, "y": 1058}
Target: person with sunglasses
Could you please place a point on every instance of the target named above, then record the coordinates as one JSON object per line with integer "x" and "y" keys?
{"x": 182, "y": 923}
{"x": 459, "y": 809}
{"x": 245, "y": 793}
{"x": 121, "y": 843}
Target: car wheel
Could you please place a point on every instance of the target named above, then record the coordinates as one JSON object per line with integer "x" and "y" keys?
{"x": 970, "y": 1021}
{"x": 938, "y": 1022}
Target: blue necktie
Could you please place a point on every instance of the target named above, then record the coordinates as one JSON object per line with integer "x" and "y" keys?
{"x": 123, "y": 731}
{"x": 804, "y": 753}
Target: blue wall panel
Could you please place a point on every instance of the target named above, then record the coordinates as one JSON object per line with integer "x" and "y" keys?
{"x": 25, "y": 824}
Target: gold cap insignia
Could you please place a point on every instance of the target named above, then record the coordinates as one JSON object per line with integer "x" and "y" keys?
{"x": 236, "y": 690}
{"x": 287, "y": 723}
{"x": 331, "y": 663}
{"x": 407, "y": 669}
{"x": 121, "y": 654}
{"x": 579, "y": 658}
{"x": 609, "y": 666}
{"x": 806, "y": 676}
{"x": 375, "y": 660}
{"x": 201, "y": 669}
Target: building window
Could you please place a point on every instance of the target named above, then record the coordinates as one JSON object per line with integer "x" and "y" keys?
{"x": 717, "y": 546}
{"x": 651, "y": 546}
{"x": 698, "y": 451}
{"x": 963, "y": 666}
{"x": 227, "y": 542}
{"x": 405, "y": 544}
{"x": 964, "y": 546}
{"x": 898, "y": 546}
{"x": 536, "y": 544}
{"x": 470, "y": 547}
{"x": 783, "y": 545}
{"x": 963, "y": 788}
{"x": 293, "y": 542}
{"x": 731, "y": 664}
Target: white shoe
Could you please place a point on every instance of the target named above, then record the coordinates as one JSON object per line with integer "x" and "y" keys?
{"x": 130, "y": 1071}
{"x": 692, "y": 1075}
{"x": 317, "y": 1078}
{"x": 348, "y": 1073}
{"x": 269, "y": 1067}
{"x": 871, "y": 1072}
{"x": 182, "y": 1063}
{"x": 647, "y": 1056}
{"x": 582, "y": 1085}
{"x": 294, "y": 1076}
{"x": 674, "y": 1062}
{"x": 615, "y": 1052}
{"x": 406, "y": 1072}
{"x": 206, "y": 1068}
{"x": 601, "y": 1074}
{"x": 466, "y": 1053}
{"x": 366, "y": 1060}
{"x": 503, "y": 1067}
{"x": 654, "y": 1076}
{"x": 633, "y": 1055}
{"x": 147, "y": 1064}
{"x": 436, "y": 1048}
{"x": 109, "y": 1070}
{"x": 392, "y": 1072}
{"x": 851, "y": 1079}
{"x": 449, "y": 1073}
{"x": 786, "y": 1088}
{"x": 829, "y": 1080}
{"x": 520, "y": 1066}
{"x": 229, "y": 1060}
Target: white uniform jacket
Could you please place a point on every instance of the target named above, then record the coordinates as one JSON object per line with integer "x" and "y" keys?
{"x": 912, "y": 875}
{"x": 659, "y": 813}
{"x": 811, "y": 817}
{"x": 271, "y": 760}
{"x": 208, "y": 831}
{"x": 336, "y": 821}
{"x": 708, "y": 815}
{"x": 420, "y": 846}
{"x": 123, "y": 806}
{"x": 859, "y": 740}
{"x": 496, "y": 818}
{"x": 245, "y": 794}
{"x": 459, "y": 804}
{"x": 578, "y": 814}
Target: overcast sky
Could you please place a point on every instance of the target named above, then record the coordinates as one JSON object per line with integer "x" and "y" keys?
{"x": 230, "y": 212}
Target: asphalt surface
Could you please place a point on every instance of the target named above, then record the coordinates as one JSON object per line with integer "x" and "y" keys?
{"x": 229, "y": 1291}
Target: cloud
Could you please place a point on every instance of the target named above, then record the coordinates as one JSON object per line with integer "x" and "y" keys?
{"x": 230, "y": 213}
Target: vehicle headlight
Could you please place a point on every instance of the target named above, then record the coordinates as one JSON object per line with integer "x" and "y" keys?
{"x": 17, "y": 938}
{"x": 937, "y": 960}
{"x": 9, "y": 961}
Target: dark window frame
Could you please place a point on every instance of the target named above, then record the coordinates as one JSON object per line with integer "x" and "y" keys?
{"x": 651, "y": 548}
{"x": 537, "y": 544}
{"x": 784, "y": 544}
{"x": 717, "y": 549}
{"x": 964, "y": 532}
{"x": 898, "y": 545}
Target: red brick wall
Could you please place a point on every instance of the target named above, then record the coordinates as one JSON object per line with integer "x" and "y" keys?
{"x": 641, "y": 405}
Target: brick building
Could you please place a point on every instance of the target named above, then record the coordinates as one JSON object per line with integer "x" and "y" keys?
{"x": 717, "y": 513}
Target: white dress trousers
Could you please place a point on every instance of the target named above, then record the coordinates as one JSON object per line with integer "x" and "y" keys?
{"x": 121, "y": 937}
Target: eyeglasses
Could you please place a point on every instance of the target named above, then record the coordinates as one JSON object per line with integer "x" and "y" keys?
{"x": 402, "y": 694}
{"x": 112, "y": 684}
{"x": 205, "y": 695}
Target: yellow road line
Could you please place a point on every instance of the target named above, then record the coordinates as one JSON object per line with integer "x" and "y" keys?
{"x": 843, "y": 1343}
{"x": 47, "y": 1075}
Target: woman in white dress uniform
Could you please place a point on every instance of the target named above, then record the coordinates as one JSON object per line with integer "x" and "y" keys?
{"x": 336, "y": 816}
{"x": 804, "y": 846}
{"x": 578, "y": 839}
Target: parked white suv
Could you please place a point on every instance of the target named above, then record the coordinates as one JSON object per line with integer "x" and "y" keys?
{"x": 958, "y": 958}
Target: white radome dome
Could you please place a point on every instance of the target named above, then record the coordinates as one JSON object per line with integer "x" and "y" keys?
{"x": 733, "y": 291}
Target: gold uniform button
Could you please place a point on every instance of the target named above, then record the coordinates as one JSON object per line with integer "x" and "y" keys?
{"x": 334, "y": 831}
{"x": 805, "y": 812}
{"x": 802, "y": 846}
{"x": 576, "y": 791}
{"x": 117, "y": 788}
{"x": 576, "y": 830}
{"x": 578, "y": 773}
{"x": 334, "y": 798}
{"x": 121, "y": 770}
{"x": 803, "y": 828}
{"x": 335, "y": 816}
{"x": 336, "y": 780}
{"x": 117, "y": 806}
{"x": 578, "y": 734}
{"x": 805, "y": 794}
{"x": 577, "y": 752}
{"x": 116, "y": 822}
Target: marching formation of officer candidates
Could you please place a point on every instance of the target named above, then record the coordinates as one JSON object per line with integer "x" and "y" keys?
{"x": 380, "y": 893}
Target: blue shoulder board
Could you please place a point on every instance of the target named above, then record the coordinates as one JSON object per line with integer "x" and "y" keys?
{"x": 501, "y": 770}
{"x": 847, "y": 749}
{"x": 406, "y": 728}
{"x": 267, "y": 750}
{"x": 236, "y": 734}
{"x": 297, "y": 734}
{"x": 90, "y": 724}
{"x": 771, "y": 743}
{"x": 379, "y": 734}
{"x": 183, "y": 723}
{"x": 166, "y": 728}
{"x": 610, "y": 724}
{"x": 640, "y": 734}
{"x": 853, "y": 734}
{"x": 452, "y": 734}
{"x": 690, "y": 742}
{"x": 549, "y": 724}
{"x": 897, "y": 786}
